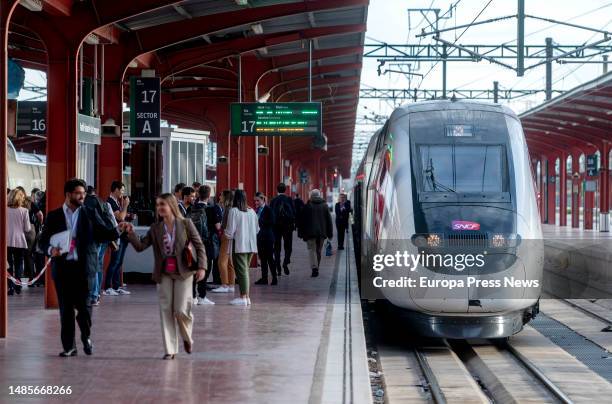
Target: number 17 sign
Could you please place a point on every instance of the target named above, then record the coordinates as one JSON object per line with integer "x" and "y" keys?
{"x": 145, "y": 106}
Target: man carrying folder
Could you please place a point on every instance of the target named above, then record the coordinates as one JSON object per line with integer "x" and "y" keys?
{"x": 70, "y": 236}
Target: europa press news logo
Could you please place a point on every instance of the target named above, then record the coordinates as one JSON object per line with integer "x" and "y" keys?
{"x": 462, "y": 225}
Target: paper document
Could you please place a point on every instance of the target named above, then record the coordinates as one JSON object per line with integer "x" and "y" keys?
{"x": 61, "y": 240}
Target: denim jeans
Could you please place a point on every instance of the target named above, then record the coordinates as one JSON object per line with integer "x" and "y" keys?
{"x": 113, "y": 272}
{"x": 96, "y": 280}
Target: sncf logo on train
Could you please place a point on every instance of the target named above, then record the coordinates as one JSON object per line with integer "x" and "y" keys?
{"x": 460, "y": 225}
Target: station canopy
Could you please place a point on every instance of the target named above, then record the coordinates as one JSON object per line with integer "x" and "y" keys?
{"x": 193, "y": 46}
{"x": 577, "y": 122}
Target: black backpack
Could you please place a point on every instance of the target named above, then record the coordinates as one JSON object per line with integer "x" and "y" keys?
{"x": 285, "y": 214}
{"x": 199, "y": 219}
{"x": 102, "y": 217}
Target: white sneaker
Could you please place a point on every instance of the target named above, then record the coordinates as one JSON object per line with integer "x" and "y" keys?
{"x": 110, "y": 292}
{"x": 221, "y": 289}
{"x": 204, "y": 301}
{"x": 239, "y": 301}
{"x": 249, "y": 301}
{"x": 231, "y": 289}
{"x": 122, "y": 291}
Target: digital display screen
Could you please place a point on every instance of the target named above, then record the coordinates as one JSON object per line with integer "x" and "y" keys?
{"x": 276, "y": 119}
{"x": 459, "y": 131}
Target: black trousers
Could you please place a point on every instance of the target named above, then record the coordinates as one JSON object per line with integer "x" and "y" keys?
{"x": 71, "y": 284}
{"x": 265, "y": 252}
{"x": 286, "y": 236}
{"x": 199, "y": 288}
{"x": 341, "y": 227}
{"x": 16, "y": 259}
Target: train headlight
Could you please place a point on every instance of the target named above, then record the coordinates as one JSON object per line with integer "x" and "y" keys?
{"x": 434, "y": 240}
{"x": 498, "y": 241}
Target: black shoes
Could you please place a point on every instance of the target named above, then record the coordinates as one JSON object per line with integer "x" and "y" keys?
{"x": 262, "y": 281}
{"x": 187, "y": 346}
{"x": 315, "y": 272}
{"x": 168, "y": 357}
{"x": 274, "y": 282}
{"x": 286, "y": 268}
{"x": 278, "y": 271}
{"x": 11, "y": 292}
{"x": 87, "y": 346}
{"x": 71, "y": 352}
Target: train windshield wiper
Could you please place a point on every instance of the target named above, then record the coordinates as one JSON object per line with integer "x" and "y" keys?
{"x": 435, "y": 185}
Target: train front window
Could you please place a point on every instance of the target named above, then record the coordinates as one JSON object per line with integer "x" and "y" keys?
{"x": 463, "y": 168}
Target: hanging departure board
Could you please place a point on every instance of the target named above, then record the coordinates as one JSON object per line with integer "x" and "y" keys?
{"x": 276, "y": 119}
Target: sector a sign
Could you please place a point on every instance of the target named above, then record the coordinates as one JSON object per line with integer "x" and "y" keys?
{"x": 145, "y": 107}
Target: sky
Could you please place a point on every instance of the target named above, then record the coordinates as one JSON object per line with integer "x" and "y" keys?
{"x": 388, "y": 21}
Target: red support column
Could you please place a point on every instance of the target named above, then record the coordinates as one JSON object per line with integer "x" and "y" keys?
{"x": 575, "y": 192}
{"x": 604, "y": 185}
{"x": 589, "y": 199}
{"x": 542, "y": 188}
{"x": 61, "y": 134}
{"x": 317, "y": 171}
{"x": 234, "y": 162}
{"x": 563, "y": 190}
{"x": 277, "y": 164}
{"x": 110, "y": 158}
{"x": 551, "y": 199}
{"x": 6, "y": 10}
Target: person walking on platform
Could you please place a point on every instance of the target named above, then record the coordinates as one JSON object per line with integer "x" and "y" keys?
{"x": 18, "y": 227}
{"x": 224, "y": 262}
{"x": 105, "y": 212}
{"x": 298, "y": 205}
{"x": 207, "y": 219}
{"x": 242, "y": 228}
{"x": 119, "y": 204}
{"x": 70, "y": 236}
{"x": 284, "y": 224}
{"x": 314, "y": 227}
{"x": 188, "y": 196}
{"x": 170, "y": 237}
{"x": 343, "y": 210}
{"x": 265, "y": 240}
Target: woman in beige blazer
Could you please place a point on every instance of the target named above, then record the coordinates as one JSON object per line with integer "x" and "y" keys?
{"x": 169, "y": 237}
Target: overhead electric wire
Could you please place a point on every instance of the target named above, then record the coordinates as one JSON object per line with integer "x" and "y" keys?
{"x": 454, "y": 42}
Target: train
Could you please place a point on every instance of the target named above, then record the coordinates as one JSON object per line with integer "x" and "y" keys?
{"x": 450, "y": 179}
{"x": 25, "y": 169}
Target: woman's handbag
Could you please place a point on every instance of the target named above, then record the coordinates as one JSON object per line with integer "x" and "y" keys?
{"x": 328, "y": 249}
{"x": 189, "y": 257}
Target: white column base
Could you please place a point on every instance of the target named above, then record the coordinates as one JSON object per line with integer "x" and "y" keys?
{"x": 604, "y": 222}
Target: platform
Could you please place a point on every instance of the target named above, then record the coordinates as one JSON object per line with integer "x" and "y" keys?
{"x": 300, "y": 342}
{"x": 577, "y": 263}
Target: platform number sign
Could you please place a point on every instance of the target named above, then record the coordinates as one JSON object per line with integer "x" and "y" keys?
{"x": 591, "y": 165}
{"x": 145, "y": 113}
{"x": 31, "y": 118}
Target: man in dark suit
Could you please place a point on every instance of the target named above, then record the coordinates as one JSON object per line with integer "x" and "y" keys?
{"x": 283, "y": 213}
{"x": 70, "y": 269}
{"x": 342, "y": 210}
{"x": 265, "y": 240}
